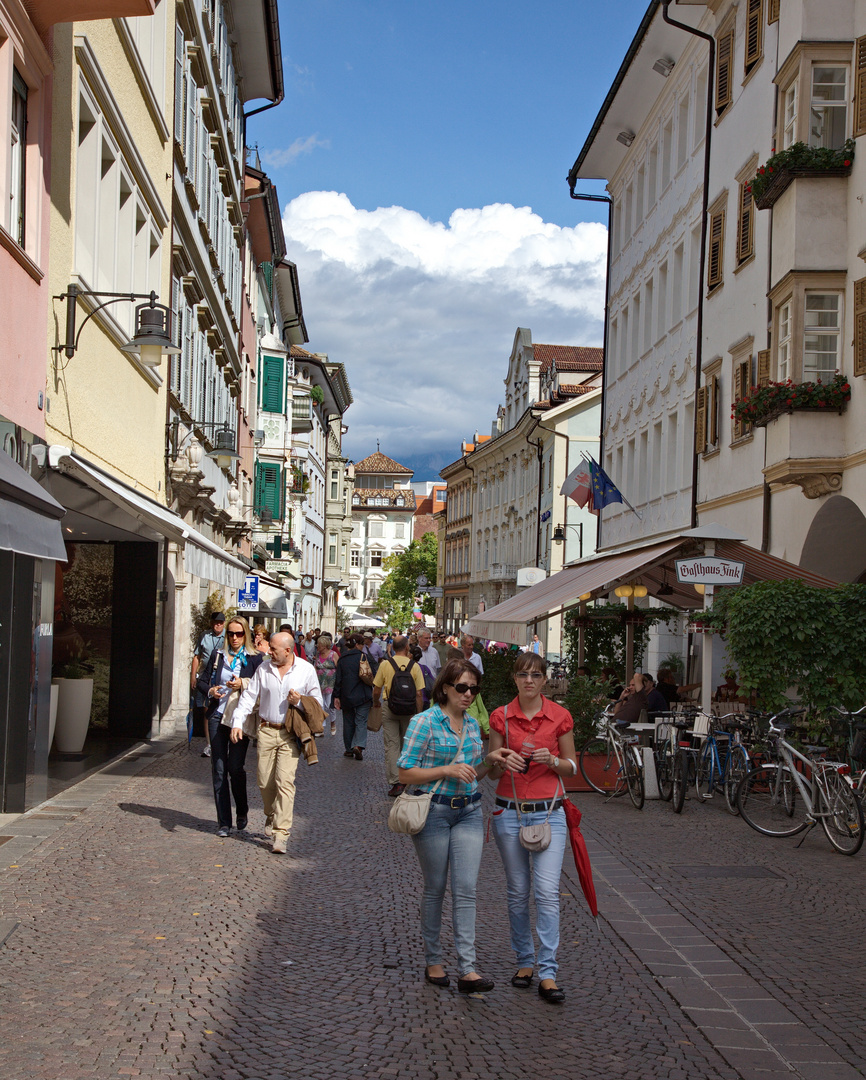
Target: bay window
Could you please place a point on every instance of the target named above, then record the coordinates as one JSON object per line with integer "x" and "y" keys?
{"x": 822, "y": 336}
{"x": 808, "y": 313}
{"x": 813, "y": 95}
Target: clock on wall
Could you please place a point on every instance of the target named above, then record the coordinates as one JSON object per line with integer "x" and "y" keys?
{"x": 307, "y": 581}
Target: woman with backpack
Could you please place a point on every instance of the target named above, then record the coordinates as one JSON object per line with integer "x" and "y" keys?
{"x": 354, "y": 696}
{"x": 443, "y": 754}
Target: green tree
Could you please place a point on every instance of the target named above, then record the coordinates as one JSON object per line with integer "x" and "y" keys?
{"x": 399, "y": 589}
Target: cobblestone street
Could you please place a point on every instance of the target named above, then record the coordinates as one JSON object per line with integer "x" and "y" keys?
{"x": 139, "y": 944}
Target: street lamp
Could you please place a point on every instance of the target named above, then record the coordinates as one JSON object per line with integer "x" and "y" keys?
{"x": 225, "y": 440}
{"x": 559, "y": 535}
{"x": 152, "y": 338}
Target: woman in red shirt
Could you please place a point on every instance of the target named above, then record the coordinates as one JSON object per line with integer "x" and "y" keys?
{"x": 542, "y": 732}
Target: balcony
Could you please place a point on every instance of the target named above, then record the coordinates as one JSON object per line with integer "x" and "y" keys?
{"x": 302, "y": 414}
{"x": 503, "y": 571}
{"x": 806, "y": 447}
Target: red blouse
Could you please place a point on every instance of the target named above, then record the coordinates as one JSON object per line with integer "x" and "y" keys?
{"x": 544, "y": 729}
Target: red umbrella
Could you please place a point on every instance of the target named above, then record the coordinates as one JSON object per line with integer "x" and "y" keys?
{"x": 581, "y": 855}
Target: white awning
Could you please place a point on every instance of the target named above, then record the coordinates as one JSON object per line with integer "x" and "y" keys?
{"x": 202, "y": 557}
{"x": 29, "y": 516}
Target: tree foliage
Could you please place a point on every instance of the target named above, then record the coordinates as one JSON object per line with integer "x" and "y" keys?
{"x": 604, "y": 636}
{"x": 396, "y": 598}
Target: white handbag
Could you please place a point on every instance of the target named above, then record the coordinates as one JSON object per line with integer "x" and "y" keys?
{"x": 409, "y": 813}
{"x": 532, "y": 837}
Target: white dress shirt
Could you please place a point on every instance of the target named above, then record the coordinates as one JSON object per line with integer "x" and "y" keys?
{"x": 475, "y": 659}
{"x": 431, "y": 658}
{"x": 272, "y": 692}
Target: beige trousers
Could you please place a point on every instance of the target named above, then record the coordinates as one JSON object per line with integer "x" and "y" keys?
{"x": 278, "y": 755}
{"x": 394, "y": 730}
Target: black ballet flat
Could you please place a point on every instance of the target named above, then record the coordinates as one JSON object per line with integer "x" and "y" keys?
{"x": 475, "y": 986}
{"x": 552, "y": 994}
{"x": 522, "y": 982}
{"x": 436, "y": 980}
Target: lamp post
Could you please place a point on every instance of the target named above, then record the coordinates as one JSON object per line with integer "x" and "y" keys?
{"x": 152, "y": 338}
{"x": 225, "y": 440}
{"x": 559, "y": 535}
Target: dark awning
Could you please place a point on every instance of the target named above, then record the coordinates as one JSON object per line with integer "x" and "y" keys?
{"x": 29, "y": 516}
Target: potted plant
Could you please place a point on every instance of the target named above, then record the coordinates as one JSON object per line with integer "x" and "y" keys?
{"x": 778, "y": 173}
{"x": 761, "y": 404}
{"x": 75, "y": 696}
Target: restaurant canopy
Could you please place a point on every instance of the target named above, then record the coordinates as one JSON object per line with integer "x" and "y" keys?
{"x": 653, "y": 564}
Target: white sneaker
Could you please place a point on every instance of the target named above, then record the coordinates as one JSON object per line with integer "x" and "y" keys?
{"x": 206, "y": 751}
{"x": 333, "y": 729}
{"x": 269, "y": 826}
{"x": 279, "y": 847}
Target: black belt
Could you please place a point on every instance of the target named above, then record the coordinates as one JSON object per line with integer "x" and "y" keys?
{"x": 529, "y": 807}
{"x": 456, "y": 802}
{"x": 267, "y": 723}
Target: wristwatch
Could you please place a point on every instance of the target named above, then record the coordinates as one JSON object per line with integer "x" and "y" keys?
{"x": 556, "y": 763}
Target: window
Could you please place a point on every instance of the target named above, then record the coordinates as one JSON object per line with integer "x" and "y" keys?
{"x": 829, "y": 109}
{"x": 269, "y": 489}
{"x": 17, "y": 202}
{"x": 724, "y": 63}
{"x": 376, "y": 528}
{"x": 683, "y": 133}
{"x": 662, "y": 317}
{"x": 701, "y": 419}
{"x": 355, "y": 558}
{"x": 789, "y": 115}
{"x": 784, "y": 349}
{"x": 335, "y": 485}
{"x": 754, "y": 34}
{"x": 745, "y": 224}
{"x": 640, "y": 186}
{"x": 822, "y": 336}
{"x": 713, "y": 403}
{"x": 773, "y": 11}
{"x": 667, "y": 152}
{"x": 742, "y": 381}
{"x": 648, "y": 316}
{"x": 376, "y": 558}
{"x": 400, "y": 531}
{"x": 677, "y": 297}
{"x": 332, "y": 549}
{"x": 716, "y": 245}
{"x": 272, "y": 383}
{"x": 652, "y": 177}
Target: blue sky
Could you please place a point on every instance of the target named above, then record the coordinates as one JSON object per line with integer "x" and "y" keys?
{"x": 407, "y": 113}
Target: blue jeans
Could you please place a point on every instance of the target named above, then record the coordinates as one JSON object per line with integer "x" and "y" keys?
{"x": 227, "y": 766}
{"x": 542, "y": 870}
{"x": 455, "y": 838}
{"x": 355, "y": 724}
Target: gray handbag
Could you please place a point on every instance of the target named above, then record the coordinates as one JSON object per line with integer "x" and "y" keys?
{"x": 409, "y": 813}
{"x": 532, "y": 837}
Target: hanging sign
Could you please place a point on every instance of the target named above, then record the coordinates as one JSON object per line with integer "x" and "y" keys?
{"x": 710, "y": 571}
{"x": 248, "y": 596}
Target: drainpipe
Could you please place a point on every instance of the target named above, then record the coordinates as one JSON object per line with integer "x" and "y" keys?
{"x": 603, "y": 199}
{"x": 699, "y": 346}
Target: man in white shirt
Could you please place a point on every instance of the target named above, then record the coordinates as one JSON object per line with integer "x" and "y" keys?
{"x": 429, "y": 655}
{"x": 282, "y": 679}
{"x": 467, "y": 643}
{"x": 373, "y": 647}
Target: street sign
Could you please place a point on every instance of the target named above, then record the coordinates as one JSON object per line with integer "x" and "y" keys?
{"x": 278, "y": 566}
{"x": 710, "y": 571}
{"x": 248, "y": 596}
{"x": 435, "y": 591}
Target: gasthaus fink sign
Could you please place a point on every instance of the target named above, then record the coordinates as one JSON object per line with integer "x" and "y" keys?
{"x": 710, "y": 571}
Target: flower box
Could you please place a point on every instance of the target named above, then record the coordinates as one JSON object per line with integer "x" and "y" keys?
{"x": 765, "y": 403}
{"x": 784, "y": 177}
{"x": 799, "y": 160}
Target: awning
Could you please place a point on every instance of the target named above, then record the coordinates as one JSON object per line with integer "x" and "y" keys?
{"x": 653, "y": 563}
{"x": 29, "y": 516}
{"x": 508, "y": 620}
{"x": 202, "y": 557}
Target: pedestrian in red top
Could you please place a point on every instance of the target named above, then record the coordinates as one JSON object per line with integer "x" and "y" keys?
{"x": 542, "y": 732}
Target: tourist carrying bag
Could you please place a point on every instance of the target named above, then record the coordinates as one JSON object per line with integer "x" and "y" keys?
{"x": 365, "y": 672}
{"x": 531, "y": 837}
{"x": 409, "y": 812}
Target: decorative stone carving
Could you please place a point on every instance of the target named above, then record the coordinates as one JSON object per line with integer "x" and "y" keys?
{"x": 816, "y": 484}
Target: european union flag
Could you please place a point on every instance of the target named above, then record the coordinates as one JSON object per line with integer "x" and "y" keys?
{"x": 604, "y": 490}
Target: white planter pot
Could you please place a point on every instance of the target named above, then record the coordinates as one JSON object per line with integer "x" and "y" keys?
{"x": 73, "y": 714}
{"x": 52, "y": 711}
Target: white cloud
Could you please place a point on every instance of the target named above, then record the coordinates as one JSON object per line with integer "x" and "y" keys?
{"x": 423, "y": 313}
{"x": 278, "y": 159}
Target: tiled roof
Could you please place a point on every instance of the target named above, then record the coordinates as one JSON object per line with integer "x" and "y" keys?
{"x": 569, "y": 357}
{"x": 379, "y": 463}
{"x": 304, "y": 354}
{"x": 391, "y": 494}
{"x": 573, "y": 390}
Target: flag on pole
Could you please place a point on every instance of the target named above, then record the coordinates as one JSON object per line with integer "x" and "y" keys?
{"x": 604, "y": 491}
{"x": 578, "y": 485}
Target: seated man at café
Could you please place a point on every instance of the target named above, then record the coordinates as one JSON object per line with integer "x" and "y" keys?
{"x": 632, "y": 702}
{"x": 656, "y": 702}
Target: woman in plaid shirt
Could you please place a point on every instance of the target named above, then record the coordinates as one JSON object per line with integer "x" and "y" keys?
{"x": 453, "y": 836}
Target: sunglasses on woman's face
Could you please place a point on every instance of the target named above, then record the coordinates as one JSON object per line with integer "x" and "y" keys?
{"x": 234, "y": 633}
{"x": 466, "y": 688}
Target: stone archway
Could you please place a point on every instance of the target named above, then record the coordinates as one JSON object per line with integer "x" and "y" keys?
{"x": 835, "y": 545}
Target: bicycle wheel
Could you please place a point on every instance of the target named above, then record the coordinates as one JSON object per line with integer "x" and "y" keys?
{"x": 680, "y": 779}
{"x": 599, "y": 765}
{"x": 665, "y": 771}
{"x": 842, "y": 814}
{"x": 769, "y": 801}
{"x": 705, "y": 772}
{"x": 634, "y": 777}
{"x": 736, "y": 768}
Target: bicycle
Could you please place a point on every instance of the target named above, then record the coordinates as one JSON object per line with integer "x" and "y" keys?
{"x": 685, "y": 762}
{"x": 856, "y": 745}
{"x": 619, "y": 750}
{"x": 665, "y": 751}
{"x": 711, "y": 772}
{"x": 780, "y": 800}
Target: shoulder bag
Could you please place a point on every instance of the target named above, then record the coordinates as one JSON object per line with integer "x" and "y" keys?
{"x": 365, "y": 671}
{"x": 532, "y": 837}
{"x": 409, "y": 812}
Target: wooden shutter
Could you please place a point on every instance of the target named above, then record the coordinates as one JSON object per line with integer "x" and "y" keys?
{"x": 860, "y": 327}
{"x": 272, "y": 384}
{"x": 713, "y": 409}
{"x": 745, "y": 224}
{"x": 860, "y": 87}
{"x": 724, "y": 60}
{"x": 763, "y": 367}
{"x": 754, "y": 33}
{"x": 773, "y": 11}
{"x": 701, "y": 420}
{"x": 268, "y": 490}
{"x": 717, "y": 245}
{"x": 738, "y": 393}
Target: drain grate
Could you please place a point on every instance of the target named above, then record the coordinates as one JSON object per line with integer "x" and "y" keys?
{"x": 726, "y": 872}
{"x": 52, "y": 817}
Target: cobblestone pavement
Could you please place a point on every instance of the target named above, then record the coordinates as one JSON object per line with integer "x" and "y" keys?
{"x": 140, "y": 944}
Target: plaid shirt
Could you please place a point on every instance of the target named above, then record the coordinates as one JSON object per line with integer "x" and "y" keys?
{"x": 430, "y": 742}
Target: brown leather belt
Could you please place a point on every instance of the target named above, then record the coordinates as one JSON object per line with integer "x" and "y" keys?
{"x": 267, "y": 723}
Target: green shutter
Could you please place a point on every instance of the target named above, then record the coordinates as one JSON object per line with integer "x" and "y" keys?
{"x": 267, "y": 269}
{"x": 272, "y": 383}
{"x": 269, "y": 489}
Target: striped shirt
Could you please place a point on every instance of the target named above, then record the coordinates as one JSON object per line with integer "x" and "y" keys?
{"x": 430, "y": 743}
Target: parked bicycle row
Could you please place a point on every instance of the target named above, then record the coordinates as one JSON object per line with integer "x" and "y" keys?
{"x": 779, "y": 784}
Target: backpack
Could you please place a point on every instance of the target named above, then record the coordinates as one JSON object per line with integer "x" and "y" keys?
{"x": 401, "y": 694}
